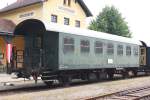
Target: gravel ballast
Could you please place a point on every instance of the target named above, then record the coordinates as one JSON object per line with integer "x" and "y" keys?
{"x": 80, "y": 92}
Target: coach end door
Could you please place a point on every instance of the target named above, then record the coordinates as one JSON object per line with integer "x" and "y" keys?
{"x": 143, "y": 56}
{"x": 33, "y": 52}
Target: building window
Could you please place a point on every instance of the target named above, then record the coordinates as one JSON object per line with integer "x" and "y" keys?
{"x": 85, "y": 46}
{"x": 67, "y": 2}
{"x": 77, "y": 23}
{"x": 68, "y": 45}
{"x": 128, "y": 50}
{"x": 110, "y": 48}
{"x": 1, "y": 55}
{"x": 98, "y": 47}
{"x": 66, "y": 21}
{"x": 136, "y": 51}
{"x": 120, "y": 49}
{"x": 54, "y": 18}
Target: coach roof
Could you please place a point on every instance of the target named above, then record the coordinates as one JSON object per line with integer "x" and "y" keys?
{"x": 89, "y": 33}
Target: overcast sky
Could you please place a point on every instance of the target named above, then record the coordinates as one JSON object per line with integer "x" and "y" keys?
{"x": 135, "y": 12}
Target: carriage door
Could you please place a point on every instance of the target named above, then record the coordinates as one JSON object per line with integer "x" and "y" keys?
{"x": 33, "y": 52}
{"x": 143, "y": 56}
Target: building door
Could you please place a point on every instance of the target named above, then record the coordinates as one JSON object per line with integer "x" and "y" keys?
{"x": 17, "y": 56}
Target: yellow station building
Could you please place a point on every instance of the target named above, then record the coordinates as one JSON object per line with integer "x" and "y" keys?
{"x": 68, "y": 12}
{"x": 64, "y": 12}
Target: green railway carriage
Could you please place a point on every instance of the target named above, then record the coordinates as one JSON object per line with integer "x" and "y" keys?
{"x": 63, "y": 53}
{"x": 79, "y": 50}
{"x": 93, "y": 53}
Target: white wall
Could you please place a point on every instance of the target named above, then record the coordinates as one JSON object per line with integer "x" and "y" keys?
{"x": 4, "y": 3}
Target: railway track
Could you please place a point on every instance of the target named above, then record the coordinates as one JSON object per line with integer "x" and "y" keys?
{"x": 142, "y": 93}
{"x": 40, "y": 86}
{"x": 11, "y": 90}
{"x": 25, "y": 86}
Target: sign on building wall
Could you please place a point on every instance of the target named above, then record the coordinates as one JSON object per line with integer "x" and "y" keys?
{"x": 26, "y": 15}
{"x": 66, "y": 10}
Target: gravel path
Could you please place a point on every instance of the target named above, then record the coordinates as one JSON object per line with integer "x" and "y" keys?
{"x": 6, "y": 78}
{"x": 80, "y": 92}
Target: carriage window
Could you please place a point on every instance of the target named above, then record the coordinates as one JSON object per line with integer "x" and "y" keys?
{"x": 128, "y": 50}
{"x": 68, "y": 45}
{"x": 98, "y": 47}
{"x": 120, "y": 49}
{"x": 110, "y": 48}
{"x": 85, "y": 46}
{"x": 136, "y": 51}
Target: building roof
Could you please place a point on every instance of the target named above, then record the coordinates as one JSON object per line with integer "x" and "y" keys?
{"x": 24, "y": 3}
{"x": 85, "y": 8}
{"x": 6, "y": 26}
{"x": 90, "y": 33}
{"x": 21, "y": 3}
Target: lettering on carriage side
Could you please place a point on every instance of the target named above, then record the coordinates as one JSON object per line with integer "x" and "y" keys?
{"x": 110, "y": 61}
{"x": 63, "y": 67}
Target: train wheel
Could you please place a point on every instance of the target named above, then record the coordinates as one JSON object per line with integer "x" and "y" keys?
{"x": 147, "y": 73}
{"x": 65, "y": 80}
{"x": 110, "y": 73}
{"x": 125, "y": 74}
{"x": 103, "y": 75}
{"x": 130, "y": 73}
{"x": 135, "y": 73}
{"x": 49, "y": 83}
{"x": 92, "y": 77}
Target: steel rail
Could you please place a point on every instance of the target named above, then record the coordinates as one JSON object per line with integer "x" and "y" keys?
{"x": 129, "y": 94}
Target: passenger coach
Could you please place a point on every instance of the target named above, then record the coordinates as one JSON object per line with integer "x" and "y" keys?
{"x": 63, "y": 53}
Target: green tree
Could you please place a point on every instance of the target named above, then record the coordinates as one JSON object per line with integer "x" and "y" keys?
{"x": 110, "y": 21}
